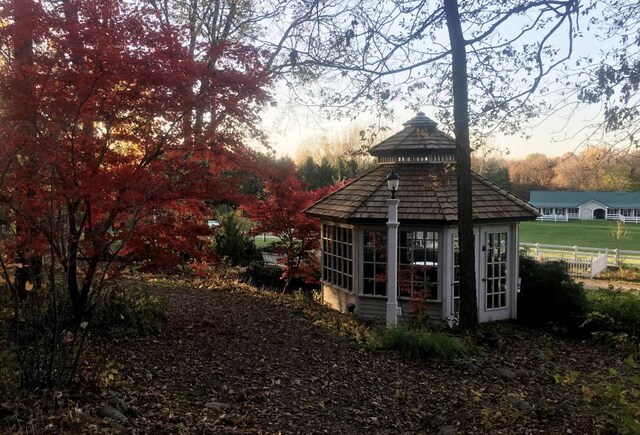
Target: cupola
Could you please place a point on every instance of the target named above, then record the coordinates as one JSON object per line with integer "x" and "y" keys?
{"x": 419, "y": 141}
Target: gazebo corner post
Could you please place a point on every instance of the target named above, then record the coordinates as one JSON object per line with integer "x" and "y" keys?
{"x": 392, "y": 263}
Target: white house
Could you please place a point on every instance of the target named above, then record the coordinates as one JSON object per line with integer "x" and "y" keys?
{"x": 565, "y": 205}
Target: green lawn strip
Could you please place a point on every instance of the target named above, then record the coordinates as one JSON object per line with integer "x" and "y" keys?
{"x": 263, "y": 241}
{"x": 595, "y": 234}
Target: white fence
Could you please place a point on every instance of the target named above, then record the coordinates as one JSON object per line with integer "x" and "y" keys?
{"x": 583, "y": 258}
{"x": 553, "y": 218}
{"x": 624, "y": 219}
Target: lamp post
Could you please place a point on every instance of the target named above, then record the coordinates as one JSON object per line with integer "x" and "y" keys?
{"x": 393, "y": 181}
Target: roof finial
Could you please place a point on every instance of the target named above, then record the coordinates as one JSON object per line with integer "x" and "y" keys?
{"x": 421, "y": 121}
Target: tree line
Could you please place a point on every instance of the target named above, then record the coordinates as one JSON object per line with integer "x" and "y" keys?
{"x": 596, "y": 168}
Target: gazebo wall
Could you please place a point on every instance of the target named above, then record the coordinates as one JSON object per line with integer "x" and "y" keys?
{"x": 376, "y": 308}
{"x": 442, "y": 308}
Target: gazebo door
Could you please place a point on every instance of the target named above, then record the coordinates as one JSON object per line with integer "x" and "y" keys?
{"x": 494, "y": 275}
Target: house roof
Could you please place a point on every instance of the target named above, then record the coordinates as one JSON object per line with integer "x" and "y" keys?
{"x": 573, "y": 199}
{"x": 427, "y": 193}
{"x": 420, "y": 135}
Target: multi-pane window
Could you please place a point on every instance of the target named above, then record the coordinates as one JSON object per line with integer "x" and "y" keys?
{"x": 496, "y": 272}
{"x": 374, "y": 272}
{"x": 337, "y": 256}
{"x": 418, "y": 264}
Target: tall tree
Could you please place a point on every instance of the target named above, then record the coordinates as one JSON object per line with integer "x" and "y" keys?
{"x": 94, "y": 100}
{"x": 402, "y": 41}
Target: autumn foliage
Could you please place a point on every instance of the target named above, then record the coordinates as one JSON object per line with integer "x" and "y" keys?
{"x": 113, "y": 135}
{"x": 278, "y": 211}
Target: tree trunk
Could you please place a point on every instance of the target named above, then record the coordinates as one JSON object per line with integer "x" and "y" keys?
{"x": 468, "y": 299}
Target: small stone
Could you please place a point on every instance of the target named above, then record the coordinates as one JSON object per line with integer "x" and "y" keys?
{"x": 437, "y": 420}
{"x": 522, "y": 373}
{"x": 465, "y": 415}
{"x": 117, "y": 426}
{"x": 432, "y": 421}
{"x": 216, "y": 406}
{"x": 373, "y": 420}
{"x": 490, "y": 371}
{"x": 468, "y": 366}
{"x": 112, "y": 413}
{"x": 507, "y": 373}
{"x": 448, "y": 430}
{"x": 523, "y": 406}
{"x": 118, "y": 403}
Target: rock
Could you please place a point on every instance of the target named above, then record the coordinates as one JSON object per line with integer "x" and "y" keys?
{"x": 522, "y": 373}
{"x": 492, "y": 339}
{"x": 216, "y": 406}
{"x": 437, "y": 420}
{"x": 119, "y": 404}
{"x": 490, "y": 371}
{"x": 507, "y": 373}
{"x": 118, "y": 427}
{"x": 465, "y": 415}
{"x": 448, "y": 430}
{"x": 112, "y": 413}
{"x": 523, "y": 406}
{"x": 468, "y": 366}
{"x": 432, "y": 421}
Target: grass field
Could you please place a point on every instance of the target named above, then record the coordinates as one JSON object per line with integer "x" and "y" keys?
{"x": 596, "y": 234}
{"x": 263, "y": 240}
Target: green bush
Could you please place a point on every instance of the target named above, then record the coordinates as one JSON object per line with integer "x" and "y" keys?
{"x": 130, "y": 314}
{"x": 262, "y": 275}
{"x": 548, "y": 295}
{"x": 614, "y": 310}
{"x": 419, "y": 343}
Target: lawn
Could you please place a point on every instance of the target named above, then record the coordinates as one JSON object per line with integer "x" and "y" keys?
{"x": 595, "y": 234}
{"x": 264, "y": 240}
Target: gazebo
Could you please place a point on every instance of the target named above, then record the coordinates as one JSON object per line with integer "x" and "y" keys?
{"x": 354, "y": 233}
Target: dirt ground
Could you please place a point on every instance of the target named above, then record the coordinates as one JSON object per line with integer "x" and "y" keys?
{"x": 232, "y": 360}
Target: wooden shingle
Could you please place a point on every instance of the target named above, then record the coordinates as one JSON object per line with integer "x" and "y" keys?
{"x": 427, "y": 193}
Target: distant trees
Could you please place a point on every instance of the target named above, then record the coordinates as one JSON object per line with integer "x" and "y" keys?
{"x": 328, "y": 160}
{"x": 596, "y": 168}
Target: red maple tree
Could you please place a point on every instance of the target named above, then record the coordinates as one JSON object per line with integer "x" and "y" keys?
{"x": 278, "y": 211}
{"x": 113, "y": 135}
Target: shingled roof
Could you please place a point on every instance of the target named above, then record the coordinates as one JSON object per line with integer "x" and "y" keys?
{"x": 424, "y": 158}
{"x": 427, "y": 193}
{"x": 420, "y": 136}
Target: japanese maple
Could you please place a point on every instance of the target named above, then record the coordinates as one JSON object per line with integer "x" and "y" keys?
{"x": 278, "y": 211}
{"x": 113, "y": 135}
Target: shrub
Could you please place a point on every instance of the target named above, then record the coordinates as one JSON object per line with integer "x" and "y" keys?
{"x": 262, "y": 275}
{"x": 548, "y": 294}
{"x": 130, "y": 314}
{"x": 419, "y": 343}
{"x": 622, "y": 273}
{"x": 614, "y": 310}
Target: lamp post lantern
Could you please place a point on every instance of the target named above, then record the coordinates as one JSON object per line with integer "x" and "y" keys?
{"x": 393, "y": 181}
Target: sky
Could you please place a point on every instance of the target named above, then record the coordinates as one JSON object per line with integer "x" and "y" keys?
{"x": 289, "y": 128}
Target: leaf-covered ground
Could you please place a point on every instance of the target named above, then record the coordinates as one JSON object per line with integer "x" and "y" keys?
{"x": 234, "y": 360}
